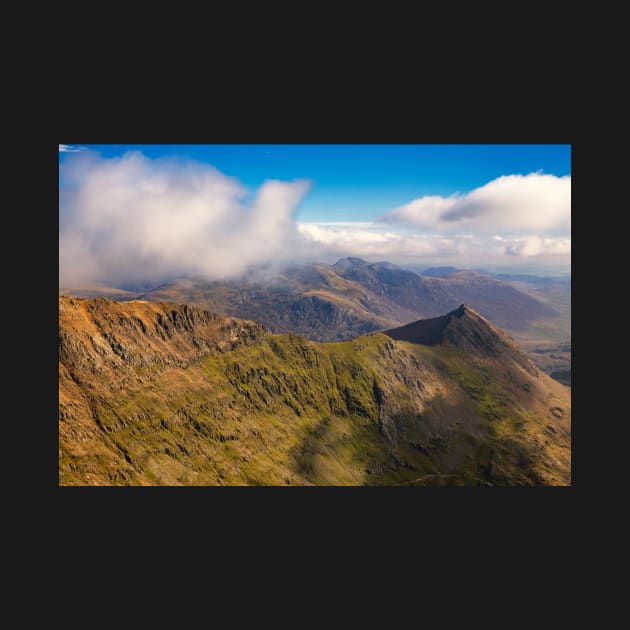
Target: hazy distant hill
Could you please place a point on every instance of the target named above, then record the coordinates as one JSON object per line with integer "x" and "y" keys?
{"x": 173, "y": 394}
{"x": 439, "y": 272}
{"x": 351, "y": 297}
{"x": 547, "y": 340}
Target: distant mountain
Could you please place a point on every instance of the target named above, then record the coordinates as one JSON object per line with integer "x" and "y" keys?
{"x": 171, "y": 394}
{"x": 100, "y": 292}
{"x": 312, "y": 300}
{"x": 353, "y": 297}
{"x": 439, "y": 272}
{"x": 539, "y": 281}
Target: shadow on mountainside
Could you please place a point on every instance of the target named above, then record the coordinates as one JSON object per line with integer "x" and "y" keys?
{"x": 472, "y": 448}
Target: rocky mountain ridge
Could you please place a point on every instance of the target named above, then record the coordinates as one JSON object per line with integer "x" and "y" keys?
{"x": 164, "y": 394}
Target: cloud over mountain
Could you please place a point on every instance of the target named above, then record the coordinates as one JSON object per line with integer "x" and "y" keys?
{"x": 134, "y": 219}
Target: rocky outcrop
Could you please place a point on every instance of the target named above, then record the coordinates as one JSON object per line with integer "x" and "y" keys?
{"x": 98, "y": 334}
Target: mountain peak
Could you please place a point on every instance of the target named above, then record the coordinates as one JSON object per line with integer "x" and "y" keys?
{"x": 467, "y": 310}
{"x": 462, "y": 328}
{"x": 462, "y": 310}
{"x": 350, "y": 261}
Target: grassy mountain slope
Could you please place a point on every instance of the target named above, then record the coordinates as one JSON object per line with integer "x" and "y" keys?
{"x": 171, "y": 394}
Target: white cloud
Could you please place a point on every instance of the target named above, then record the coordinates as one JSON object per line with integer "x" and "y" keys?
{"x": 131, "y": 219}
{"x": 384, "y": 242}
{"x": 370, "y": 239}
{"x": 66, "y": 148}
{"x": 536, "y": 246}
{"x": 512, "y": 205}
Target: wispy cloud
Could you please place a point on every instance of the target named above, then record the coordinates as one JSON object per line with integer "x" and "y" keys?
{"x": 67, "y": 148}
{"x": 393, "y": 243}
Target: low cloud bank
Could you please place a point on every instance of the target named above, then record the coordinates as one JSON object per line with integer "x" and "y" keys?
{"x": 132, "y": 220}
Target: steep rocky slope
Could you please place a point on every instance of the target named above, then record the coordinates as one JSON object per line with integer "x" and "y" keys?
{"x": 164, "y": 394}
{"x": 108, "y": 349}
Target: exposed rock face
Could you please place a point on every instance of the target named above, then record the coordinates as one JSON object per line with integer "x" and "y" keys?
{"x": 103, "y": 334}
{"x": 107, "y": 349}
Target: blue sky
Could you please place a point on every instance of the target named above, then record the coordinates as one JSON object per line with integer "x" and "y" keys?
{"x": 359, "y": 182}
{"x": 135, "y": 213}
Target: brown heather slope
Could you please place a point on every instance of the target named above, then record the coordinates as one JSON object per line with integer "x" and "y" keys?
{"x": 166, "y": 394}
{"x": 106, "y": 350}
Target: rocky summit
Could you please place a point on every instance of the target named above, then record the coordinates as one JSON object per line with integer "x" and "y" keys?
{"x": 464, "y": 328}
{"x": 154, "y": 393}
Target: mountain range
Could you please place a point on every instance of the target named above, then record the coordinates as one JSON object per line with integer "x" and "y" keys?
{"x": 159, "y": 393}
{"x": 355, "y": 296}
